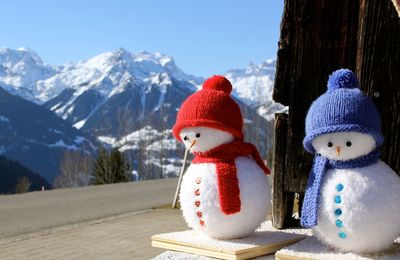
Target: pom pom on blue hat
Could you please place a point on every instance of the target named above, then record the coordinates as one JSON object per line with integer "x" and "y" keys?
{"x": 343, "y": 78}
{"x": 342, "y": 108}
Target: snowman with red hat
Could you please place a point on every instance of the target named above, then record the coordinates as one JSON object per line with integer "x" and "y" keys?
{"x": 225, "y": 192}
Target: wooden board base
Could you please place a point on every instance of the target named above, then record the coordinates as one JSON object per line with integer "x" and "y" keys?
{"x": 311, "y": 249}
{"x": 261, "y": 243}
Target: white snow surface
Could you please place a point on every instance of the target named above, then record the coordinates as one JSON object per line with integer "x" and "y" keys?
{"x": 62, "y": 144}
{"x": 311, "y": 248}
{"x": 261, "y": 237}
{"x": 153, "y": 142}
{"x": 144, "y": 134}
{"x": 4, "y": 119}
{"x": 254, "y": 86}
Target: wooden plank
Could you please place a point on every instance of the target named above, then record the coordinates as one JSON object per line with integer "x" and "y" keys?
{"x": 192, "y": 250}
{"x": 280, "y": 256}
{"x": 261, "y": 243}
{"x": 279, "y": 196}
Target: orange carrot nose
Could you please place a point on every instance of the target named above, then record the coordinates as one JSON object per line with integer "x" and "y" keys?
{"x": 193, "y": 143}
{"x": 338, "y": 150}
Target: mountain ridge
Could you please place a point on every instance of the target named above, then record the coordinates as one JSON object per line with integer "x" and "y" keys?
{"x": 130, "y": 101}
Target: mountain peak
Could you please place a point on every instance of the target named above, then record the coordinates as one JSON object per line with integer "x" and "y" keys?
{"x": 122, "y": 54}
{"x": 11, "y": 57}
{"x": 156, "y": 57}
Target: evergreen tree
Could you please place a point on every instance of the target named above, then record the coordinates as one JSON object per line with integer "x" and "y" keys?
{"x": 110, "y": 168}
{"x": 119, "y": 167}
{"x": 101, "y": 168}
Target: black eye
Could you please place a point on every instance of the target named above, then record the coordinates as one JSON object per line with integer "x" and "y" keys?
{"x": 330, "y": 144}
{"x": 197, "y": 135}
{"x": 185, "y": 138}
{"x": 348, "y": 143}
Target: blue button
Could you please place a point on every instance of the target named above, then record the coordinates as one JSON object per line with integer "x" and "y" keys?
{"x": 341, "y": 234}
{"x": 338, "y": 212}
{"x": 339, "y": 187}
{"x": 339, "y": 223}
{"x": 338, "y": 199}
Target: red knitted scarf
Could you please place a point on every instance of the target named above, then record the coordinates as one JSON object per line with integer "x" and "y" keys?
{"x": 224, "y": 157}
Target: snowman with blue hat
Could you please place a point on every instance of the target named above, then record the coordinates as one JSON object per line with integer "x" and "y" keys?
{"x": 352, "y": 200}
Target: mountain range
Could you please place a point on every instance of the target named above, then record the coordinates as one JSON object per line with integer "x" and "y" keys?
{"x": 117, "y": 99}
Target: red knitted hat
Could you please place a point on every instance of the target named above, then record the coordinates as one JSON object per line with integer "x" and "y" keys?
{"x": 212, "y": 107}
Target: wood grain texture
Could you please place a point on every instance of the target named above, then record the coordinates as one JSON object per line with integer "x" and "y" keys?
{"x": 261, "y": 243}
{"x": 378, "y": 68}
{"x": 317, "y": 37}
{"x": 279, "y": 196}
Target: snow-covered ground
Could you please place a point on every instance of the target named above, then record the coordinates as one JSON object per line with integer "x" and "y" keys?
{"x": 154, "y": 147}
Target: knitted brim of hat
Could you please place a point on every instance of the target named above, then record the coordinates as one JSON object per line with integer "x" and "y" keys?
{"x": 206, "y": 123}
{"x": 307, "y": 142}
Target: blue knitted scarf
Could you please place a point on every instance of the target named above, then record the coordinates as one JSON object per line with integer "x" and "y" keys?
{"x": 309, "y": 211}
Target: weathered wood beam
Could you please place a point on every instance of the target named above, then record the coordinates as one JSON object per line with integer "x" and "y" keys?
{"x": 279, "y": 197}
{"x": 378, "y": 68}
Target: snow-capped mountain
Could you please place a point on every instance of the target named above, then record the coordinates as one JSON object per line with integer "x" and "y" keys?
{"x": 36, "y": 137}
{"x": 20, "y": 70}
{"x": 130, "y": 100}
{"x": 23, "y": 72}
{"x": 254, "y": 86}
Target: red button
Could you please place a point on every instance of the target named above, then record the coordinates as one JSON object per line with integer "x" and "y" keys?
{"x": 198, "y": 180}
{"x": 201, "y": 222}
{"x": 199, "y": 214}
{"x": 197, "y": 203}
{"x": 197, "y": 192}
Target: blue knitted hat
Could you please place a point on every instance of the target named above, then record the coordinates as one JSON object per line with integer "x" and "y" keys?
{"x": 342, "y": 108}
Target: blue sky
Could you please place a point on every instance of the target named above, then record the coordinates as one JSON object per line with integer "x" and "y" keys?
{"x": 204, "y": 37}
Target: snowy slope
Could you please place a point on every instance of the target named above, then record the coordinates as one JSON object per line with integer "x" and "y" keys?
{"x": 254, "y": 86}
{"x": 36, "y": 137}
{"x": 130, "y": 101}
{"x": 23, "y": 70}
{"x": 23, "y": 73}
{"x": 20, "y": 70}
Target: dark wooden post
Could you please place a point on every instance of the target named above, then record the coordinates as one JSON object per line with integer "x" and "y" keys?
{"x": 318, "y": 37}
{"x": 378, "y": 68}
{"x": 278, "y": 166}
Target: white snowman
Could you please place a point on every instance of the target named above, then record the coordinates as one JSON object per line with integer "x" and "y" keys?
{"x": 352, "y": 197}
{"x": 225, "y": 192}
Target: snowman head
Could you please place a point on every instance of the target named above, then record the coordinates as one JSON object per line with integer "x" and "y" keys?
{"x": 343, "y": 114}
{"x": 212, "y": 113}
{"x": 344, "y": 145}
{"x": 203, "y": 139}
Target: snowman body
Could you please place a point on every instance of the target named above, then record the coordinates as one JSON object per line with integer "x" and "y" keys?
{"x": 200, "y": 205}
{"x": 225, "y": 192}
{"x": 359, "y": 208}
{"x": 352, "y": 198}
